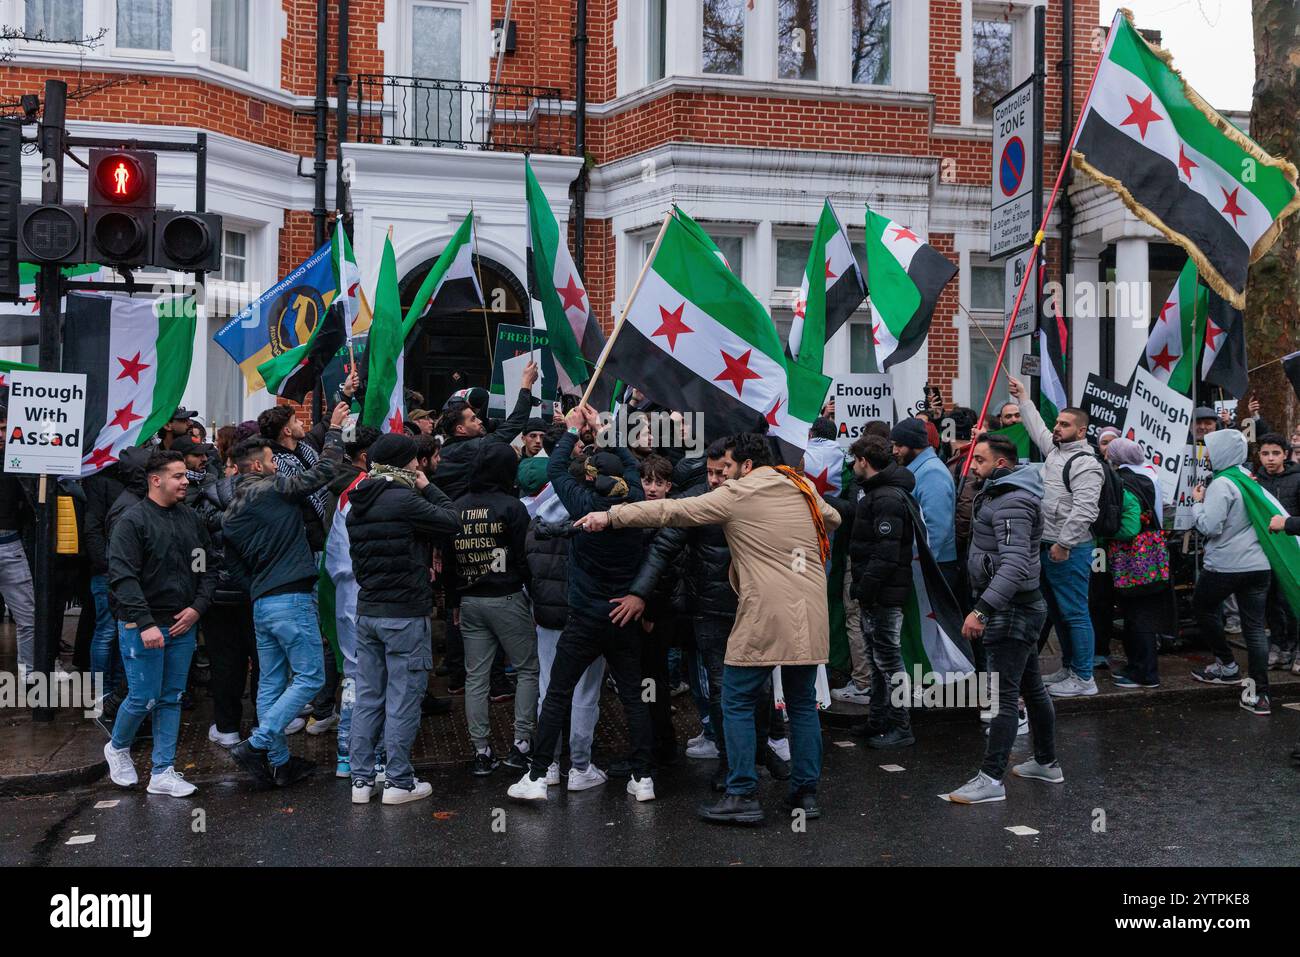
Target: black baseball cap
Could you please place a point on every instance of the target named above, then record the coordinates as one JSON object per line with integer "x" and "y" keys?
{"x": 183, "y": 413}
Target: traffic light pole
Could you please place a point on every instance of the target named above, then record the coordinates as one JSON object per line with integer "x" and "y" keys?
{"x": 51, "y": 293}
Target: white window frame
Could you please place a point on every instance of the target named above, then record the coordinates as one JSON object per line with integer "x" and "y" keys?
{"x": 246, "y": 258}
{"x": 15, "y": 12}
{"x": 115, "y": 49}
{"x": 1020, "y": 16}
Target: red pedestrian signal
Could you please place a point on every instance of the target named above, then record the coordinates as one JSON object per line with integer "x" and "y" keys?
{"x": 121, "y": 180}
{"x": 122, "y": 198}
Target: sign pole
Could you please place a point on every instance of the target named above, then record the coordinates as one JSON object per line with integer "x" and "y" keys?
{"x": 1040, "y": 82}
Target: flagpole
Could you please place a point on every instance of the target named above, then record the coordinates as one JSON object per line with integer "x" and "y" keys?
{"x": 352, "y": 356}
{"x": 1030, "y": 267}
{"x": 618, "y": 326}
{"x": 478, "y": 271}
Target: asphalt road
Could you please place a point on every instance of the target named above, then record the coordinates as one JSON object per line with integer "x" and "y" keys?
{"x": 1201, "y": 785}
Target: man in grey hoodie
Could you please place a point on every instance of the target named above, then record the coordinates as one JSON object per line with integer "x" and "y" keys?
{"x": 1003, "y": 565}
{"x": 1235, "y": 564}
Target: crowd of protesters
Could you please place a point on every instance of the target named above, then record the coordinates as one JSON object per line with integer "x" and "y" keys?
{"x": 304, "y": 568}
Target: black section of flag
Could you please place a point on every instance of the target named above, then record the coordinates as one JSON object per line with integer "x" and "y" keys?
{"x": 929, "y": 271}
{"x": 329, "y": 338}
{"x": 86, "y": 343}
{"x": 1228, "y": 371}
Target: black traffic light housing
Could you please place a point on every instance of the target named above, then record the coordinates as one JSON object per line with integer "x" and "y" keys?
{"x": 11, "y": 195}
{"x": 122, "y": 197}
{"x": 50, "y": 234}
{"x": 187, "y": 242}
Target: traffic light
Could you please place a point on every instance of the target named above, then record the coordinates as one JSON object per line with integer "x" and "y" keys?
{"x": 187, "y": 242}
{"x": 51, "y": 234}
{"x": 11, "y": 195}
{"x": 122, "y": 197}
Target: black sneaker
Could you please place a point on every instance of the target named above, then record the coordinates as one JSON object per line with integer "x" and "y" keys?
{"x": 517, "y": 759}
{"x": 776, "y": 765}
{"x": 865, "y": 729}
{"x": 485, "y": 762}
{"x": 1259, "y": 706}
{"x": 805, "y": 802}
{"x": 501, "y": 692}
{"x": 892, "y": 739}
{"x": 254, "y": 761}
{"x": 732, "y": 809}
{"x": 432, "y": 705}
{"x": 292, "y": 771}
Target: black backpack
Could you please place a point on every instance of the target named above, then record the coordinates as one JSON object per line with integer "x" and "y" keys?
{"x": 1110, "y": 503}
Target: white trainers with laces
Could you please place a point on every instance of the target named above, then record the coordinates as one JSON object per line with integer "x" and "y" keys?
{"x": 395, "y": 795}
{"x": 590, "y": 777}
{"x": 642, "y": 788}
{"x": 527, "y": 789}
{"x": 120, "y": 769}
{"x": 1073, "y": 687}
{"x": 227, "y": 739}
{"x": 553, "y": 774}
{"x": 851, "y": 694}
{"x": 170, "y": 781}
{"x": 1056, "y": 676}
{"x": 701, "y": 748}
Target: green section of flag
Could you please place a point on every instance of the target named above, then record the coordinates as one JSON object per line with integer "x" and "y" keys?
{"x": 434, "y": 279}
{"x": 176, "y": 324}
{"x": 1193, "y": 308}
{"x": 544, "y": 241}
{"x": 893, "y": 293}
{"x": 384, "y": 348}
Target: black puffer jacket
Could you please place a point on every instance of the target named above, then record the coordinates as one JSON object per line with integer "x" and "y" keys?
{"x": 704, "y": 557}
{"x": 548, "y": 568}
{"x": 880, "y": 547}
{"x": 392, "y": 529}
{"x": 1285, "y": 487}
{"x": 102, "y": 490}
{"x": 232, "y": 583}
{"x": 458, "y": 455}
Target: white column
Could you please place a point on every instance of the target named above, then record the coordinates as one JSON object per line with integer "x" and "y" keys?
{"x": 1085, "y": 326}
{"x": 1132, "y": 303}
{"x": 683, "y": 35}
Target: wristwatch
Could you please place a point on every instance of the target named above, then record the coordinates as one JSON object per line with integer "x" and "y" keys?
{"x": 983, "y": 618}
{"x": 573, "y": 430}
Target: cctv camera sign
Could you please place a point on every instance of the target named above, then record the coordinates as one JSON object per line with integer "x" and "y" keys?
{"x": 47, "y": 419}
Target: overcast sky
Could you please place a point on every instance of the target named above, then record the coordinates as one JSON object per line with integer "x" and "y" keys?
{"x": 1211, "y": 42}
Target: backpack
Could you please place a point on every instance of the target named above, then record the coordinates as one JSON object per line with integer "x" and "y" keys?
{"x": 1110, "y": 502}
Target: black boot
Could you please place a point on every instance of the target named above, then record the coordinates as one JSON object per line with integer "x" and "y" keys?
{"x": 805, "y": 802}
{"x": 733, "y": 809}
{"x": 254, "y": 761}
{"x": 892, "y": 739}
{"x": 292, "y": 771}
{"x": 432, "y": 705}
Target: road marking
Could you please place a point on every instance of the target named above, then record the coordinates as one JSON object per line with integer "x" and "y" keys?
{"x": 892, "y": 767}
{"x": 103, "y": 805}
{"x": 81, "y": 839}
{"x": 1293, "y": 705}
{"x": 844, "y": 744}
{"x": 1019, "y": 830}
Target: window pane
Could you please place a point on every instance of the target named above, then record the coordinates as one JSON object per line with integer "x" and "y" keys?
{"x": 862, "y": 352}
{"x": 870, "y": 49}
{"x": 230, "y": 33}
{"x": 983, "y": 358}
{"x": 733, "y": 248}
{"x": 234, "y": 256}
{"x": 144, "y": 24}
{"x": 791, "y": 261}
{"x": 992, "y": 68}
{"x": 656, "y": 16}
{"x": 724, "y": 36}
{"x": 796, "y": 39}
{"x": 225, "y": 383}
{"x": 986, "y": 290}
{"x": 54, "y": 19}
{"x": 435, "y": 54}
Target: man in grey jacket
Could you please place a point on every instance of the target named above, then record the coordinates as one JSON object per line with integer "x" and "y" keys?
{"x": 1003, "y": 564}
{"x": 1235, "y": 564}
{"x": 1072, "y": 482}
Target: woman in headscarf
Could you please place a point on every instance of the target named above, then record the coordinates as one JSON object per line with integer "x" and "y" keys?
{"x": 1138, "y": 560}
{"x": 1101, "y": 597}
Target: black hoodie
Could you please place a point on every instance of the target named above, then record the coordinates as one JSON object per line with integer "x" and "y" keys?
{"x": 881, "y": 544}
{"x": 488, "y": 550}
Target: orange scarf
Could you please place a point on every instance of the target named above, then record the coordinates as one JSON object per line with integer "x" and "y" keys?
{"x": 819, "y": 523}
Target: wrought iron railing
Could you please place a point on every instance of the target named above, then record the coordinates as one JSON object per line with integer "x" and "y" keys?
{"x": 460, "y": 114}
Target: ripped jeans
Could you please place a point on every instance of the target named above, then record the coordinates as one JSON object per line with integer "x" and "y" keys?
{"x": 155, "y": 680}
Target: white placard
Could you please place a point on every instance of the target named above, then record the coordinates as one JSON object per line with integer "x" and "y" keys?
{"x": 1195, "y": 471}
{"x": 47, "y": 419}
{"x": 1158, "y": 419}
{"x": 861, "y": 397}
{"x": 513, "y": 371}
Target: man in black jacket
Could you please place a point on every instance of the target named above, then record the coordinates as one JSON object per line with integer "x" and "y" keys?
{"x": 601, "y": 569}
{"x": 162, "y": 584}
{"x": 264, "y": 537}
{"x": 881, "y": 554}
{"x": 395, "y": 517}
{"x": 489, "y": 573}
{"x": 1280, "y": 479}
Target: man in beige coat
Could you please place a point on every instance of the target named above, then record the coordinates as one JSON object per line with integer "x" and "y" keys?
{"x": 776, "y": 526}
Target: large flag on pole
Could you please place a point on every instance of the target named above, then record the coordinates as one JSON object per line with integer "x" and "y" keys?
{"x": 1173, "y": 346}
{"x": 832, "y": 289}
{"x": 451, "y": 285}
{"x": 1223, "y": 359}
{"x": 384, "y": 408}
{"x": 905, "y": 276}
{"x": 574, "y": 334}
{"x": 695, "y": 339}
{"x": 291, "y": 375}
{"x": 1179, "y": 165}
{"x": 347, "y": 280}
{"x": 135, "y": 353}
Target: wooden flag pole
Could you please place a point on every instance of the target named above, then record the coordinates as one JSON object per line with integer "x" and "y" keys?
{"x": 618, "y": 326}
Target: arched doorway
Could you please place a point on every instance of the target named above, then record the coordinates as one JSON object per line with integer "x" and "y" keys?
{"x": 455, "y": 351}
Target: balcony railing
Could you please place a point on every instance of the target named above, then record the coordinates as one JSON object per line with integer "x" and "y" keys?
{"x": 460, "y": 114}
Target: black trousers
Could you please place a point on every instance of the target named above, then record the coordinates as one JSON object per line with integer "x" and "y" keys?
{"x": 582, "y": 641}
{"x": 1145, "y": 619}
{"x": 1009, "y": 640}
{"x": 232, "y": 650}
{"x": 654, "y": 665}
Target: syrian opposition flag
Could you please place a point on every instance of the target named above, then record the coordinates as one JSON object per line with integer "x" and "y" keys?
{"x": 1223, "y": 358}
{"x": 337, "y": 584}
{"x": 384, "y": 409}
{"x": 932, "y": 641}
{"x": 1174, "y": 343}
{"x": 452, "y": 286}
{"x": 695, "y": 339}
{"x": 832, "y": 289}
{"x": 576, "y": 341}
{"x": 1181, "y": 166}
{"x": 292, "y": 374}
{"x": 905, "y": 276}
{"x": 357, "y": 316}
{"x": 136, "y": 354}
{"x": 7, "y": 367}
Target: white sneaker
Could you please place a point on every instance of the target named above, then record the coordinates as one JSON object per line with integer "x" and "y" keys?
{"x": 553, "y": 774}
{"x": 396, "y": 795}
{"x": 851, "y": 694}
{"x": 1057, "y": 676}
{"x": 362, "y": 793}
{"x": 170, "y": 781}
{"x": 780, "y": 747}
{"x": 701, "y": 748}
{"x": 1073, "y": 687}
{"x": 643, "y": 789}
{"x": 227, "y": 739}
{"x": 590, "y": 778}
{"x": 321, "y": 725}
{"x": 526, "y": 789}
{"x": 120, "y": 769}
{"x": 296, "y": 725}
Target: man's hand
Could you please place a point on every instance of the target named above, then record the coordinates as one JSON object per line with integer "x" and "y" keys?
{"x": 1277, "y": 523}
{"x": 351, "y": 384}
{"x": 1253, "y": 405}
{"x": 339, "y": 415}
{"x": 1058, "y": 553}
{"x": 183, "y": 622}
{"x": 593, "y": 522}
{"x": 972, "y": 627}
{"x": 590, "y": 416}
{"x": 421, "y": 480}
{"x": 152, "y": 637}
{"x": 626, "y": 609}
{"x": 530, "y": 375}
{"x": 1198, "y": 493}
{"x": 828, "y": 410}
{"x": 574, "y": 419}
{"x": 1017, "y": 388}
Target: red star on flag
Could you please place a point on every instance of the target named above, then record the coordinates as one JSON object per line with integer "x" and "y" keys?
{"x": 737, "y": 371}
{"x": 822, "y": 481}
{"x": 352, "y": 290}
{"x": 4, "y": 382}
{"x": 125, "y": 416}
{"x": 395, "y": 423}
{"x": 1164, "y": 309}
{"x": 1230, "y": 205}
{"x": 902, "y": 232}
{"x": 1142, "y": 115}
{"x": 1185, "y": 165}
{"x": 829, "y": 274}
{"x": 672, "y": 325}
{"x": 771, "y": 414}
{"x": 101, "y": 457}
{"x": 132, "y": 367}
{"x": 1212, "y": 333}
{"x": 572, "y": 294}
{"x": 799, "y": 308}
{"x": 1164, "y": 360}
{"x": 875, "y": 328}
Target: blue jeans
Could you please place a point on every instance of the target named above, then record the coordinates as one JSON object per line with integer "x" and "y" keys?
{"x": 744, "y": 691}
{"x": 105, "y": 657}
{"x": 156, "y": 680}
{"x": 288, "y": 639}
{"x": 1067, "y": 600}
